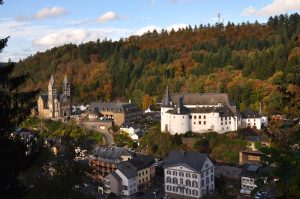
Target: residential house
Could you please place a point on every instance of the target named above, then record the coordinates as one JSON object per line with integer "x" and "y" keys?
{"x": 133, "y": 130}
{"x": 189, "y": 175}
{"x": 145, "y": 168}
{"x": 248, "y": 177}
{"x": 105, "y": 159}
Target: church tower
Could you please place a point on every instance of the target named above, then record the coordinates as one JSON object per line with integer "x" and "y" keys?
{"x": 66, "y": 87}
{"x": 51, "y": 96}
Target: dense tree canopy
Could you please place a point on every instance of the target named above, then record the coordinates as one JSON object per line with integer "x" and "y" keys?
{"x": 251, "y": 62}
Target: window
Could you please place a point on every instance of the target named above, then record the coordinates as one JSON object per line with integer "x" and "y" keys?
{"x": 199, "y": 122}
{"x": 181, "y": 174}
{"x": 174, "y": 189}
{"x": 188, "y": 183}
{"x": 195, "y": 116}
{"x": 204, "y": 116}
{"x": 181, "y": 181}
{"x": 188, "y": 191}
{"x": 194, "y": 122}
{"x": 194, "y": 184}
{"x": 202, "y": 183}
{"x": 229, "y": 122}
{"x": 188, "y": 175}
{"x": 195, "y": 193}
{"x": 175, "y": 181}
{"x": 207, "y": 180}
{"x": 202, "y": 175}
{"x": 221, "y": 118}
{"x": 190, "y": 117}
{"x": 169, "y": 188}
{"x": 146, "y": 171}
{"x": 183, "y": 117}
{"x": 204, "y": 122}
{"x": 174, "y": 173}
{"x": 168, "y": 180}
{"x": 194, "y": 176}
{"x": 221, "y": 123}
{"x": 169, "y": 172}
{"x": 199, "y": 116}
{"x": 212, "y": 170}
{"x": 207, "y": 173}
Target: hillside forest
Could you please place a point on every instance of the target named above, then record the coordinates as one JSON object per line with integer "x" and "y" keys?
{"x": 252, "y": 62}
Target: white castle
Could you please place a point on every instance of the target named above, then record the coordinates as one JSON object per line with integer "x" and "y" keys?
{"x": 203, "y": 112}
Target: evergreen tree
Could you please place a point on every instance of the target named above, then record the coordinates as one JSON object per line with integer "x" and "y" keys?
{"x": 15, "y": 106}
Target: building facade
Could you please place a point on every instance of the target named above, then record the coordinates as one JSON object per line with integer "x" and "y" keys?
{"x": 189, "y": 175}
{"x": 248, "y": 177}
{"x": 118, "y": 112}
{"x": 201, "y": 112}
{"x": 54, "y": 105}
{"x": 105, "y": 160}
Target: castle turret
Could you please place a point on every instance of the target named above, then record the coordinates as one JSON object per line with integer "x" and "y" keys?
{"x": 66, "y": 87}
{"x": 51, "y": 96}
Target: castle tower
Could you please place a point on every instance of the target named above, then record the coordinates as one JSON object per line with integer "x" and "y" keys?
{"x": 51, "y": 96}
{"x": 165, "y": 107}
{"x": 66, "y": 87}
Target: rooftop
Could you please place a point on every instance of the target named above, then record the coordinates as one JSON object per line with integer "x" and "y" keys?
{"x": 190, "y": 159}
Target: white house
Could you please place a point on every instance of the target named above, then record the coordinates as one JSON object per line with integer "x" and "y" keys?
{"x": 248, "y": 175}
{"x": 253, "y": 119}
{"x": 128, "y": 174}
{"x": 188, "y": 174}
{"x": 198, "y": 112}
{"x": 133, "y": 131}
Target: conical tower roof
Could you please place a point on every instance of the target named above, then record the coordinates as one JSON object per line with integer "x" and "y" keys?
{"x": 166, "y": 100}
{"x": 52, "y": 81}
{"x": 66, "y": 79}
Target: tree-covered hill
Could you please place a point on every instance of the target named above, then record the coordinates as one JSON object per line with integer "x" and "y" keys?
{"x": 252, "y": 62}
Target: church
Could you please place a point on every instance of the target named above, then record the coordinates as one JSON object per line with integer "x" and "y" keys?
{"x": 53, "y": 105}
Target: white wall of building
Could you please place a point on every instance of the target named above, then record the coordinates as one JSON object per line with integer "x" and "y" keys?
{"x": 131, "y": 184}
{"x": 252, "y": 123}
{"x": 188, "y": 181}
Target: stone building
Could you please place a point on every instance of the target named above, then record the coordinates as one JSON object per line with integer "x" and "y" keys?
{"x": 53, "y": 105}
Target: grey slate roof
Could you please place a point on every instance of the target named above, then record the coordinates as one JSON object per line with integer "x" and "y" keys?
{"x": 114, "y": 106}
{"x": 250, "y": 114}
{"x": 249, "y": 170}
{"x": 110, "y": 153}
{"x": 199, "y": 98}
{"x": 127, "y": 169}
{"x": 223, "y": 111}
{"x": 190, "y": 159}
{"x": 141, "y": 161}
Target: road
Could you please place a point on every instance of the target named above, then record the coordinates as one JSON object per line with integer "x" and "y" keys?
{"x": 108, "y": 138}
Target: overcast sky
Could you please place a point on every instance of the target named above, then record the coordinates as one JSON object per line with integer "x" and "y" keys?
{"x": 37, "y": 25}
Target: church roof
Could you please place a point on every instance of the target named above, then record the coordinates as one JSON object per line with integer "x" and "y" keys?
{"x": 191, "y": 159}
{"x": 199, "y": 98}
{"x": 52, "y": 81}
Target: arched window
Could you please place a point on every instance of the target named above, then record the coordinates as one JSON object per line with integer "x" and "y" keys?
{"x": 174, "y": 189}
{"x": 168, "y": 172}
{"x": 188, "y": 183}
{"x": 195, "y": 184}
{"x": 207, "y": 180}
{"x": 169, "y": 188}
{"x": 195, "y": 193}
{"x": 188, "y": 191}
{"x": 175, "y": 181}
{"x": 188, "y": 175}
{"x": 168, "y": 180}
{"x": 194, "y": 176}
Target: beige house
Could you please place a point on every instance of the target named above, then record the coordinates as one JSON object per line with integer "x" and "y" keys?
{"x": 118, "y": 112}
{"x": 54, "y": 105}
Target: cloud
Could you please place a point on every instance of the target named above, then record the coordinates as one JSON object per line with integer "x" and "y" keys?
{"x": 176, "y": 26}
{"x": 77, "y": 36}
{"x": 50, "y": 12}
{"x": 275, "y": 7}
{"x": 45, "y": 13}
{"x": 108, "y": 16}
{"x": 249, "y": 11}
{"x": 146, "y": 29}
